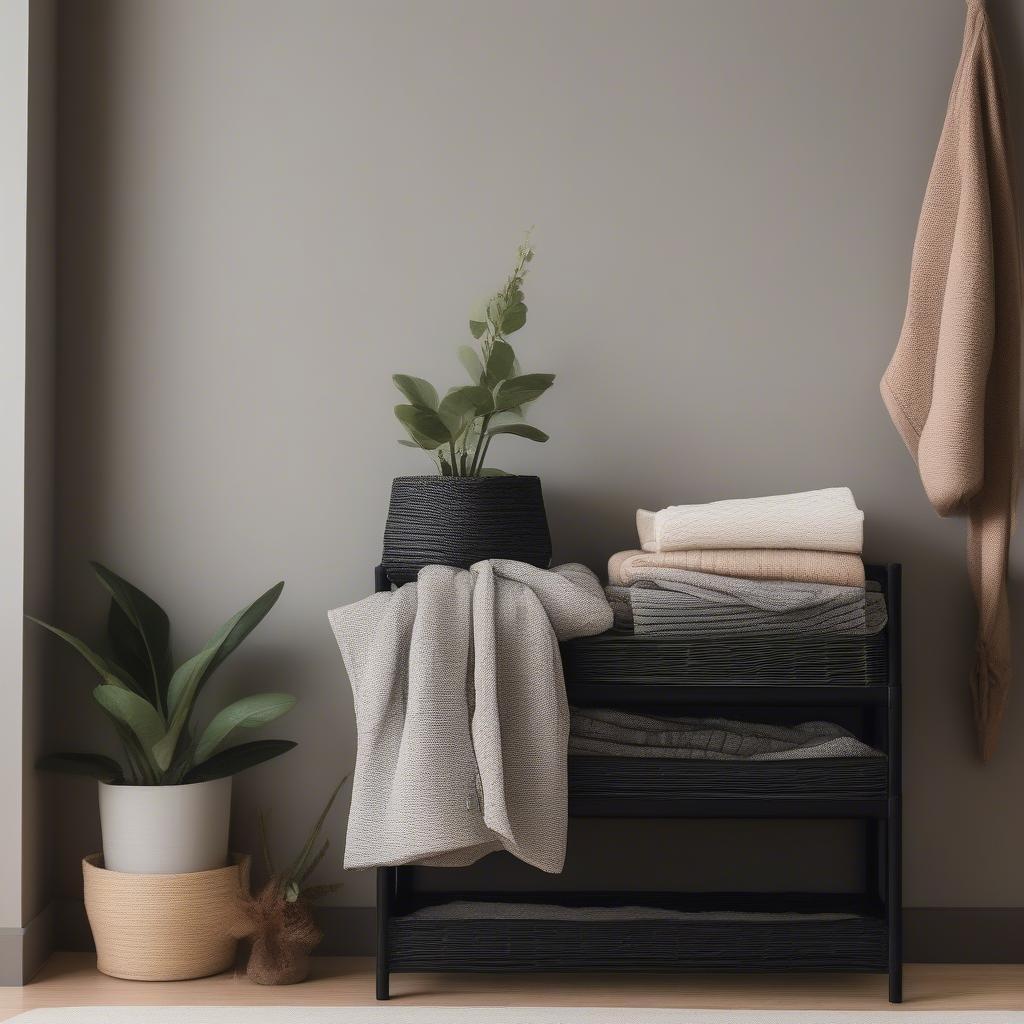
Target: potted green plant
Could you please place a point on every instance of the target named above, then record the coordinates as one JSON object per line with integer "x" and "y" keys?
{"x": 165, "y": 808}
{"x": 470, "y": 510}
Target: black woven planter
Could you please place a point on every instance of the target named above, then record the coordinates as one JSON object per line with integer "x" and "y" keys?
{"x": 438, "y": 520}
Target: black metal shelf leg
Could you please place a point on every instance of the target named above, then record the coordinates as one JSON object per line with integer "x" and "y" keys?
{"x": 385, "y": 898}
{"x": 894, "y": 823}
{"x": 894, "y": 904}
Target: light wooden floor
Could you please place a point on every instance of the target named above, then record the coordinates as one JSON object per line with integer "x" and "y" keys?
{"x": 71, "y": 979}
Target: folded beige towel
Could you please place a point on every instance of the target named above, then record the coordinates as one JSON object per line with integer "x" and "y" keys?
{"x": 628, "y": 567}
{"x": 824, "y": 520}
{"x": 953, "y": 386}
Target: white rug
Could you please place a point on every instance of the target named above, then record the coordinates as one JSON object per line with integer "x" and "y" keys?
{"x": 495, "y": 1015}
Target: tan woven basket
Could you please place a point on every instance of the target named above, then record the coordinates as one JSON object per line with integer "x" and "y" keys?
{"x": 164, "y": 927}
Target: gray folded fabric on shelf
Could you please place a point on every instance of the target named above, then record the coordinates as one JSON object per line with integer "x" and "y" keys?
{"x": 484, "y": 910}
{"x": 622, "y": 607}
{"x": 602, "y": 732}
{"x": 699, "y": 604}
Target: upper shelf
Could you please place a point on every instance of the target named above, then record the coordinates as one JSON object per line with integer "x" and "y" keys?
{"x": 644, "y": 667}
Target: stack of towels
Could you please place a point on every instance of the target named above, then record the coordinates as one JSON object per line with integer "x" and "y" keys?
{"x": 786, "y": 564}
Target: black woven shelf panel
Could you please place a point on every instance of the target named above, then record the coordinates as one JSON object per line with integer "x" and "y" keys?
{"x": 459, "y": 521}
{"x": 853, "y": 944}
{"x": 813, "y": 660}
{"x": 842, "y": 778}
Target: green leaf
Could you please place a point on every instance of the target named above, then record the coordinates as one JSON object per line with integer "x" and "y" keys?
{"x": 107, "y": 671}
{"x": 419, "y": 441}
{"x": 94, "y": 766}
{"x": 462, "y": 405}
{"x": 424, "y": 426}
{"x": 237, "y": 759}
{"x": 190, "y": 677}
{"x": 471, "y": 361}
{"x": 316, "y": 892}
{"x": 247, "y": 713}
{"x": 518, "y": 390}
{"x": 513, "y": 318}
{"x": 478, "y": 319}
{"x": 420, "y": 392}
{"x": 315, "y": 862}
{"x": 240, "y": 625}
{"x": 268, "y": 860}
{"x": 149, "y": 620}
{"x": 490, "y": 471}
{"x": 135, "y": 712}
{"x": 521, "y": 430}
{"x": 297, "y": 870}
{"x": 129, "y": 649}
{"x": 500, "y": 362}
{"x": 503, "y": 419}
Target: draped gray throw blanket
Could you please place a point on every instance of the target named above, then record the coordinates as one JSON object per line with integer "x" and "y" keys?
{"x": 688, "y": 603}
{"x": 461, "y": 713}
{"x": 606, "y": 733}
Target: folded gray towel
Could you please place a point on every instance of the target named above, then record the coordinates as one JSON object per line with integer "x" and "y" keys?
{"x": 599, "y": 732}
{"x": 481, "y": 910}
{"x": 699, "y": 604}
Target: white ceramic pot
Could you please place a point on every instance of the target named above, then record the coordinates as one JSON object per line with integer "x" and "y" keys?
{"x": 165, "y": 830}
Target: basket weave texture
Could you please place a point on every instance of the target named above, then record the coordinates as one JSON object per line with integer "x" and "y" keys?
{"x": 435, "y": 520}
{"x": 164, "y": 927}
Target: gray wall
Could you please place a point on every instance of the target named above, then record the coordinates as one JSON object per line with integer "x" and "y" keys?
{"x": 267, "y": 208}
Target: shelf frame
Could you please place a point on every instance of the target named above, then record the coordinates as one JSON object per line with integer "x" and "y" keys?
{"x": 882, "y": 817}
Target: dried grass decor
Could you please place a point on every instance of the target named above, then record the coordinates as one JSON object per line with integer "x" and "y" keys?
{"x": 278, "y": 920}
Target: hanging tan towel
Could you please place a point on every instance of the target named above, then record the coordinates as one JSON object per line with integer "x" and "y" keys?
{"x": 628, "y": 567}
{"x": 952, "y": 388}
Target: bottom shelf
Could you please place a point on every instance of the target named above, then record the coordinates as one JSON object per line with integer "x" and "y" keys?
{"x": 656, "y": 932}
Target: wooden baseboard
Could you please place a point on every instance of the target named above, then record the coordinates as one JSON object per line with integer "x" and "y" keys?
{"x": 940, "y": 935}
{"x": 964, "y": 935}
{"x": 24, "y": 950}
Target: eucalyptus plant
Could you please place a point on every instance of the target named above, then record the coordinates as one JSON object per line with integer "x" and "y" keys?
{"x": 456, "y": 430}
{"x": 150, "y": 704}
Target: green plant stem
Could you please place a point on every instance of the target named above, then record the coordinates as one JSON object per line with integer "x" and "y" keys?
{"x": 474, "y": 466}
{"x": 455, "y": 463}
{"x": 137, "y": 758}
{"x": 485, "y": 443}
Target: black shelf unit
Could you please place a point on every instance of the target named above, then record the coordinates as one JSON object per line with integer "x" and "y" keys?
{"x": 858, "y": 932}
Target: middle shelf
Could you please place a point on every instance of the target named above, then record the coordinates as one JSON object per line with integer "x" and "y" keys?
{"x": 617, "y": 787}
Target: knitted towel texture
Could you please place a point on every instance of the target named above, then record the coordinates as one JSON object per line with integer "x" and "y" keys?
{"x": 824, "y": 520}
{"x": 697, "y": 604}
{"x": 599, "y": 732}
{"x": 461, "y": 713}
{"x": 953, "y": 385}
{"x": 838, "y": 569}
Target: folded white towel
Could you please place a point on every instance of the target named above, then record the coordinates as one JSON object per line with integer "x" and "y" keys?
{"x": 825, "y": 520}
